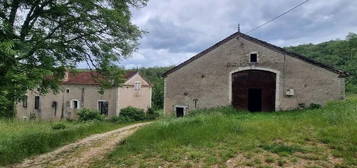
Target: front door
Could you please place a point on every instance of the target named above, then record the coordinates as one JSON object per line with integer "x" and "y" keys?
{"x": 254, "y": 99}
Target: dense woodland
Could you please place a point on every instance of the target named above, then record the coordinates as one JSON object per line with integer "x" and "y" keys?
{"x": 341, "y": 54}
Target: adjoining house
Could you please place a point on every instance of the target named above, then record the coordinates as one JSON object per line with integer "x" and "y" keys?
{"x": 80, "y": 90}
{"x": 250, "y": 74}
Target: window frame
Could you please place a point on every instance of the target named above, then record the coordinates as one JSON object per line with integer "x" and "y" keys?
{"x": 98, "y": 107}
{"x": 256, "y": 59}
{"x": 37, "y": 102}
{"x": 78, "y": 104}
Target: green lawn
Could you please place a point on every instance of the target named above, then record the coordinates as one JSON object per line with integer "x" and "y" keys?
{"x": 224, "y": 137}
{"x": 21, "y": 139}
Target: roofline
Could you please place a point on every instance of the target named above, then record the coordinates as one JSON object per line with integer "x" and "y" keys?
{"x": 263, "y": 43}
{"x": 138, "y": 73}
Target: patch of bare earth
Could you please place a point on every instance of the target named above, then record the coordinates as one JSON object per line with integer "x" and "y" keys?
{"x": 81, "y": 153}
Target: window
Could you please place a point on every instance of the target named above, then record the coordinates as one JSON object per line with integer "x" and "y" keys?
{"x": 54, "y": 106}
{"x": 180, "y": 110}
{"x": 37, "y": 102}
{"x": 254, "y": 57}
{"x": 75, "y": 104}
{"x": 24, "y": 102}
{"x": 137, "y": 85}
{"x": 103, "y": 107}
{"x": 67, "y": 90}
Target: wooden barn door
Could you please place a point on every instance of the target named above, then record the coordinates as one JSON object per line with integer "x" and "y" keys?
{"x": 254, "y": 90}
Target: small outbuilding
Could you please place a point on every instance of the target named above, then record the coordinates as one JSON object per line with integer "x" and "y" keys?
{"x": 250, "y": 74}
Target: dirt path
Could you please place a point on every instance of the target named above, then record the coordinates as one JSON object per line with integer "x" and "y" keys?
{"x": 82, "y": 152}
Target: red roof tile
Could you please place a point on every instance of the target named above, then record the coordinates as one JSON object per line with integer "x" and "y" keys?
{"x": 89, "y": 78}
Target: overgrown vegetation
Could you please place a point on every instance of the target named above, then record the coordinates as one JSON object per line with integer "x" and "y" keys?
{"x": 318, "y": 137}
{"x": 130, "y": 114}
{"x": 21, "y": 139}
{"x": 88, "y": 115}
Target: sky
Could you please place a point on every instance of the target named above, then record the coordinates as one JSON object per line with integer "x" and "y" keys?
{"x": 178, "y": 29}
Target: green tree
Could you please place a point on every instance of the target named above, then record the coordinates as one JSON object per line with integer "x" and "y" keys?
{"x": 341, "y": 54}
{"x": 154, "y": 75}
{"x": 42, "y": 38}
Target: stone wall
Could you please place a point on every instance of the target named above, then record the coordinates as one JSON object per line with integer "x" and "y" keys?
{"x": 207, "y": 80}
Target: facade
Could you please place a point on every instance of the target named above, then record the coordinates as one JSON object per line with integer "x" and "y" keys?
{"x": 80, "y": 90}
{"x": 250, "y": 74}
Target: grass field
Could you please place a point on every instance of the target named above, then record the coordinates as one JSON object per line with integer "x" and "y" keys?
{"x": 21, "y": 139}
{"x": 224, "y": 137}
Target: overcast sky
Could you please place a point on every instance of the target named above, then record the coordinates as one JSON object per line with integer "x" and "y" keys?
{"x": 179, "y": 29}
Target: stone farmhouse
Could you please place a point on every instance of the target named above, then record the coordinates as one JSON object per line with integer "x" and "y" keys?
{"x": 250, "y": 74}
{"x": 80, "y": 90}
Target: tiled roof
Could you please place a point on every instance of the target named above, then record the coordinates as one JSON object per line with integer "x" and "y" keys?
{"x": 89, "y": 78}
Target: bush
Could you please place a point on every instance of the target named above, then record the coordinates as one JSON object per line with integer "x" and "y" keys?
{"x": 314, "y": 106}
{"x": 58, "y": 126}
{"x": 132, "y": 113}
{"x": 151, "y": 114}
{"x": 87, "y": 115}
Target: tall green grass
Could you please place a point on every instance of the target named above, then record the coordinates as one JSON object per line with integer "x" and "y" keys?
{"x": 21, "y": 139}
{"x": 213, "y": 136}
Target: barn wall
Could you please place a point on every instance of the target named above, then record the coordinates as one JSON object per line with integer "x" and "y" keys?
{"x": 207, "y": 79}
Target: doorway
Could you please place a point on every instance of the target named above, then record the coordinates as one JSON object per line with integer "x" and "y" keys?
{"x": 103, "y": 107}
{"x": 180, "y": 112}
{"x": 254, "y": 100}
{"x": 254, "y": 90}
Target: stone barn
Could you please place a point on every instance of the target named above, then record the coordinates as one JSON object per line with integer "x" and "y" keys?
{"x": 250, "y": 74}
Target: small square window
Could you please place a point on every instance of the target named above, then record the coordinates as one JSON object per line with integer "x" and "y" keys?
{"x": 67, "y": 90}
{"x": 75, "y": 104}
{"x": 253, "y": 57}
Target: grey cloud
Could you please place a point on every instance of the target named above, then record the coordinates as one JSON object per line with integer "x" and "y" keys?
{"x": 178, "y": 29}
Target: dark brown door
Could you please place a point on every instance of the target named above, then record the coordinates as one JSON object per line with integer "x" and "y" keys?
{"x": 254, "y": 90}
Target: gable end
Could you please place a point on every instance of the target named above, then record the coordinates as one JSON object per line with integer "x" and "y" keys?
{"x": 262, "y": 43}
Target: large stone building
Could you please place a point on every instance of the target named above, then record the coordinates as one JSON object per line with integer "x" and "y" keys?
{"x": 250, "y": 74}
{"x": 80, "y": 90}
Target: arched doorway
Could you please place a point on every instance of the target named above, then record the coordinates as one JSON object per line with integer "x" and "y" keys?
{"x": 254, "y": 90}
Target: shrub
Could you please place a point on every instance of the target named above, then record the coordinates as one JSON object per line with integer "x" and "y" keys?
{"x": 151, "y": 114}
{"x": 132, "y": 113}
{"x": 58, "y": 126}
{"x": 314, "y": 106}
{"x": 87, "y": 115}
